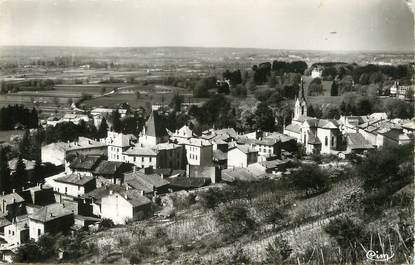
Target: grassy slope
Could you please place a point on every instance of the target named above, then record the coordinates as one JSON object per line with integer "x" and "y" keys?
{"x": 195, "y": 236}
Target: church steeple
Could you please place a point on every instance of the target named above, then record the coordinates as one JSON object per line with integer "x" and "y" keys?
{"x": 300, "y": 108}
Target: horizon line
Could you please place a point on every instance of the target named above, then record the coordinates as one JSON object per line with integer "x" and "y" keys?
{"x": 205, "y": 47}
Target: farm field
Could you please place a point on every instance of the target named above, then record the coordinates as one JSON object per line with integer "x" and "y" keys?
{"x": 149, "y": 94}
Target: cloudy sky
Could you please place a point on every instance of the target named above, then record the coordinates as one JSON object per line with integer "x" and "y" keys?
{"x": 278, "y": 24}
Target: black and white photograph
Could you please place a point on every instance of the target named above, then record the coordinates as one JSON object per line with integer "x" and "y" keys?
{"x": 207, "y": 132}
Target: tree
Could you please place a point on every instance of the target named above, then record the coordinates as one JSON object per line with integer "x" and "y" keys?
{"x": 176, "y": 102}
{"x": 334, "y": 91}
{"x": 382, "y": 169}
{"x": 264, "y": 117}
{"x": 103, "y": 129}
{"x": 29, "y": 252}
{"x": 116, "y": 121}
{"x": 310, "y": 178}
{"x": 272, "y": 81}
{"x": 24, "y": 145}
{"x": 20, "y": 175}
{"x": 278, "y": 251}
{"x": 316, "y": 87}
{"x": 234, "y": 221}
{"x": 37, "y": 175}
{"x": 4, "y": 171}
{"x": 250, "y": 84}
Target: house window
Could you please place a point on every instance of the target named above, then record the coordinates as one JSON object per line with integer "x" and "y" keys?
{"x": 12, "y": 233}
{"x": 326, "y": 140}
{"x": 332, "y": 140}
{"x": 150, "y": 159}
{"x": 38, "y": 232}
{"x": 79, "y": 187}
{"x": 66, "y": 189}
{"x": 142, "y": 159}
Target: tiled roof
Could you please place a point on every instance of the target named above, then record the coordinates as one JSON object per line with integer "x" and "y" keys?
{"x": 243, "y": 174}
{"x": 140, "y": 151}
{"x": 85, "y": 162}
{"x": 195, "y": 142}
{"x": 75, "y": 179}
{"x": 185, "y": 131}
{"x": 219, "y": 155}
{"x": 396, "y": 135}
{"x": 358, "y": 141}
{"x": 273, "y": 163}
{"x": 245, "y": 149}
{"x": 328, "y": 124}
{"x": 135, "y": 198}
{"x": 108, "y": 167}
{"x": 11, "y": 198}
{"x": 185, "y": 182}
{"x": 146, "y": 182}
{"x": 4, "y": 222}
{"x": 279, "y": 136}
{"x": 50, "y": 212}
{"x": 166, "y": 146}
{"x": 99, "y": 193}
{"x": 293, "y": 128}
{"x": 409, "y": 125}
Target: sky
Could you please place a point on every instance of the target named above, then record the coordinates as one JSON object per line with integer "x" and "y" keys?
{"x": 277, "y": 24}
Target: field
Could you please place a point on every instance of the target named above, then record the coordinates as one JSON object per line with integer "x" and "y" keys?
{"x": 148, "y": 94}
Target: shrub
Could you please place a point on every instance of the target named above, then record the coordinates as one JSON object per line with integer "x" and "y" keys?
{"x": 278, "y": 251}
{"x": 234, "y": 221}
{"x": 106, "y": 223}
{"x": 135, "y": 260}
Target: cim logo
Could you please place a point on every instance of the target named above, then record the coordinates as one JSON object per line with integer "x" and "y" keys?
{"x": 375, "y": 256}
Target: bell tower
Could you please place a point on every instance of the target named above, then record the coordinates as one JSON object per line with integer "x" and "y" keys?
{"x": 300, "y": 107}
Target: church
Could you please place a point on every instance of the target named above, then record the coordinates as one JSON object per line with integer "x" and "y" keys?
{"x": 321, "y": 136}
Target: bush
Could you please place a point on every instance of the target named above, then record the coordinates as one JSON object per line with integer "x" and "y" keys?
{"x": 310, "y": 178}
{"x": 29, "y": 252}
{"x": 106, "y": 223}
{"x": 349, "y": 234}
{"x": 278, "y": 251}
{"x": 135, "y": 260}
{"x": 234, "y": 221}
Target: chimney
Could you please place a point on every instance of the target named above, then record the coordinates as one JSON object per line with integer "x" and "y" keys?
{"x": 110, "y": 192}
{"x": 134, "y": 169}
{"x": 14, "y": 190}
{"x": 63, "y": 205}
{"x": 51, "y": 214}
{"x": 141, "y": 192}
{"x": 126, "y": 196}
{"x": 2, "y": 193}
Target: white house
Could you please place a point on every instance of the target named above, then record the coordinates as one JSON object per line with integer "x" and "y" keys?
{"x": 199, "y": 152}
{"x": 123, "y": 206}
{"x": 117, "y": 144}
{"x": 74, "y": 185}
{"x": 52, "y": 219}
{"x": 241, "y": 156}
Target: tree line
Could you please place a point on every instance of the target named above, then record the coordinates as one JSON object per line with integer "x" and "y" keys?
{"x": 18, "y": 115}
